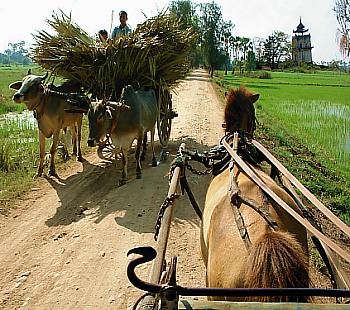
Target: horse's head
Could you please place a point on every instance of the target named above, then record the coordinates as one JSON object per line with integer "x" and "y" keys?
{"x": 239, "y": 111}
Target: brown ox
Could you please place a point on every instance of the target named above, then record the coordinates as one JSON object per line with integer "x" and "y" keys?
{"x": 275, "y": 257}
{"x": 50, "y": 110}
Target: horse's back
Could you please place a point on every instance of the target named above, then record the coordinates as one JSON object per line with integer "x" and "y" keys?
{"x": 222, "y": 247}
{"x": 225, "y": 253}
{"x": 285, "y": 220}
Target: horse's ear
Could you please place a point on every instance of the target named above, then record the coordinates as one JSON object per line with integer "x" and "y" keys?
{"x": 254, "y": 98}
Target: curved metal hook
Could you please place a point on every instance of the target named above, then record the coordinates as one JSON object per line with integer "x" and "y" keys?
{"x": 147, "y": 254}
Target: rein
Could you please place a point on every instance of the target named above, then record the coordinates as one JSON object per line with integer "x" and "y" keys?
{"x": 236, "y": 198}
{"x": 303, "y": 190}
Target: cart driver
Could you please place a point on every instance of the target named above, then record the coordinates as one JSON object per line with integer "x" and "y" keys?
{"x": 123, "y": 28}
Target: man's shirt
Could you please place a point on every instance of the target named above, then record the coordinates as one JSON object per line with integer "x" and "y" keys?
{"x": 118, "y": 31}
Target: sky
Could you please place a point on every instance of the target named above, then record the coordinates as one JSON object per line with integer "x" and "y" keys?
{"x": 252, "y": 18}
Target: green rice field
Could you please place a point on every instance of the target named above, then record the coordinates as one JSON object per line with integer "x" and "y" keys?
{"x": 315, "y": 108}
{"x": 304, "y": 121}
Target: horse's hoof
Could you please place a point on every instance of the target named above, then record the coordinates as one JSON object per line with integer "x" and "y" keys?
{"x": 80, "y": 158}
{"x": 154, "y": 163}
{"x": 121, "y": 182}
{"x": 138, "y": 175}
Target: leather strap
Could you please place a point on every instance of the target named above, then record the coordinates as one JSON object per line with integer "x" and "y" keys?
{"x": 258, "y": 181}
{"x": 233, "y": 193}
{"x": 303, "y": 189}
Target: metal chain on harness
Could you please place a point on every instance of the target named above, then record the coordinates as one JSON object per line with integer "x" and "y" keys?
{"x": 215, "y": 161}
{"x": 197, "y": 172}
{"x": 166, "y": 203}
{"x": 181, "y": 160}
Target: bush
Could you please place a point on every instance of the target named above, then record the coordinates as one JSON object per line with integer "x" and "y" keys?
{"x": 264, "y": 75}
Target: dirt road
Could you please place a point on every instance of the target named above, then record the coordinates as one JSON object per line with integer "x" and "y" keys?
{"x": 65, "y": 246}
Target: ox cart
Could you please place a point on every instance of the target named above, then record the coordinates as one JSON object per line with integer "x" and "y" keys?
{"x": 156, "y": 55}
{"x": 162, "y": 291}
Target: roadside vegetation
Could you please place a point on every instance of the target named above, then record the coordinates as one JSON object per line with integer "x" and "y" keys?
{"x": 9, "y": 74}
{"x": 304, "y": 121}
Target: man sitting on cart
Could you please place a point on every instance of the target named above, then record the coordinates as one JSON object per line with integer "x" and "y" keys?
{"x": 123, "y": 28}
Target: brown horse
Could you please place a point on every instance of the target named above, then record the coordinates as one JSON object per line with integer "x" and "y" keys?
{"x": 274, "y": 256}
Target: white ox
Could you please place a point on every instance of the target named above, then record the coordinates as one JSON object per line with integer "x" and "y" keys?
{"x": 125, "y": 126}
{"x": 50, "y": 110}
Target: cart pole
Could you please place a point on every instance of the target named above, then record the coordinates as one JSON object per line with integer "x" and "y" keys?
{"x": 163, "y": 236}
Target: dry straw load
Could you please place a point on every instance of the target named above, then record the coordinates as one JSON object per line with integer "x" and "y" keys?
{"x": 155, "y": 55}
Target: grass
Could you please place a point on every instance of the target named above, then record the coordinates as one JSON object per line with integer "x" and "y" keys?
{"x": 18, "y": 154}
{"x": 304, "y": 120}
{"x": 314, "y": 107}
{"x": 8, "y": 75}
{"x": 312, "y": 119}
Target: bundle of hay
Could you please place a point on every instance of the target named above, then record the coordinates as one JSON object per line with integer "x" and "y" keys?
{"x": 155, "y": 55}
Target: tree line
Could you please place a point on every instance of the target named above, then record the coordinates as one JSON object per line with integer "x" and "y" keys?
{"x": 16, "y": 53}
{"x": 218, "y": 48}
{"x": 342, "y": 12}
{"x": 215, "y": 48}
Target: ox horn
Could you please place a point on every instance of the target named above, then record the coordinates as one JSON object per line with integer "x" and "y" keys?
{"x": 39, "y": 78}
{"x": 43, "y": 77}
{"x": 29, "y": 72}
{"x": 109, "y": 114}
{"x": 118, "y": 105}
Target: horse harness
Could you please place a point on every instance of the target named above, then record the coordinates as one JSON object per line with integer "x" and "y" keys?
{"x": 219, "y": 160}
{"x": 236, "y": 198}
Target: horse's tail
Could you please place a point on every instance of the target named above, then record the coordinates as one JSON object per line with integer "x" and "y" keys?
{"x": 277, "y": 260}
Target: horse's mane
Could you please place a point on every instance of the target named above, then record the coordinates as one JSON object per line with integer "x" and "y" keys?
{"x": 239, "y": 103}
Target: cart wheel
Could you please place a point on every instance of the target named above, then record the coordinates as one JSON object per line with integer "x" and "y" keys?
{"x": 165, "y": 116}
{"x": 106, "y": 150}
